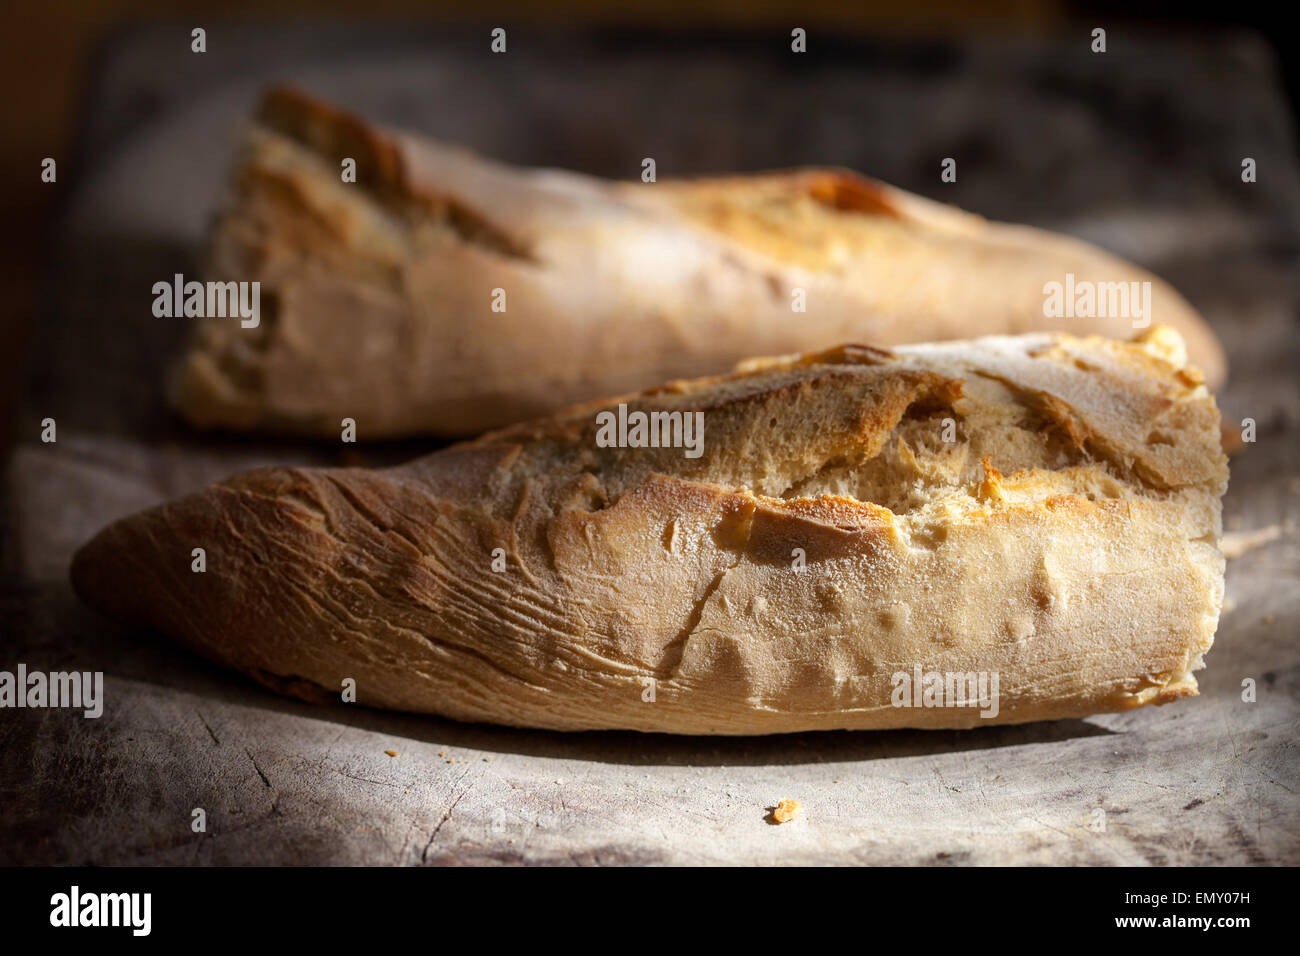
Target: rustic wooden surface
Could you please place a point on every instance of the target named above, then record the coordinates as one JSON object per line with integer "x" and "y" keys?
{"x": 1139, "y": 150}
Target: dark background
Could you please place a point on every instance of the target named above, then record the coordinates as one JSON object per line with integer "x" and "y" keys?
{"x": 48, "y": 52}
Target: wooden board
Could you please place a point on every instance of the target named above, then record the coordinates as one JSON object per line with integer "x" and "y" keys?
{"x": 1139, "y": 149}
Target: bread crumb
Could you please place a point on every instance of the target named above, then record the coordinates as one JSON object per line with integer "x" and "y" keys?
{"x": 786, "y": 811}
{"x": 391, "y": 753}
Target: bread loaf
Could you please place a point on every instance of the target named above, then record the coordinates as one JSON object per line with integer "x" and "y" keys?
{"x": 1039, "y": 512}
{"x": 444, "y": 293}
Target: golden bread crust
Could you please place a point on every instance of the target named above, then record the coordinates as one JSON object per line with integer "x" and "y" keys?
{"x": 1044, "y": 508}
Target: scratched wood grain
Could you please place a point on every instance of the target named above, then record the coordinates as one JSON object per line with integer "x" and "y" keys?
{"x": 1139, "y": 150}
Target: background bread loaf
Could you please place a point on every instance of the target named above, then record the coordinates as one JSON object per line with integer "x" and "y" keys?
{"x": 378, "y": 296}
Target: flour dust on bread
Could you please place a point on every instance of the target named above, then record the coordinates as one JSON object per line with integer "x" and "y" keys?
{"x": 1041, "y": 509}
{"x": 444, "y": 293}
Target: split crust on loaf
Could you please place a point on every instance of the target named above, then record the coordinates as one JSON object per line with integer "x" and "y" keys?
{"x": 1066, "y": 539}
{"x": 378, "y": 296}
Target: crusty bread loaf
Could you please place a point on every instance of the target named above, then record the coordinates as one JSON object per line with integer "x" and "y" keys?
{"x": 378, "y": 296}
{"x": 1042, "y": 508}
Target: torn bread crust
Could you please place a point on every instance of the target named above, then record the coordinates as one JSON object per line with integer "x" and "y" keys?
{"x": 382, "y": 290}
{"x": 829, "y": 537}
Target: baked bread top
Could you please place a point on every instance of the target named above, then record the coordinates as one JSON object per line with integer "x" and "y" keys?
{"x": 1044, "y": 508}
